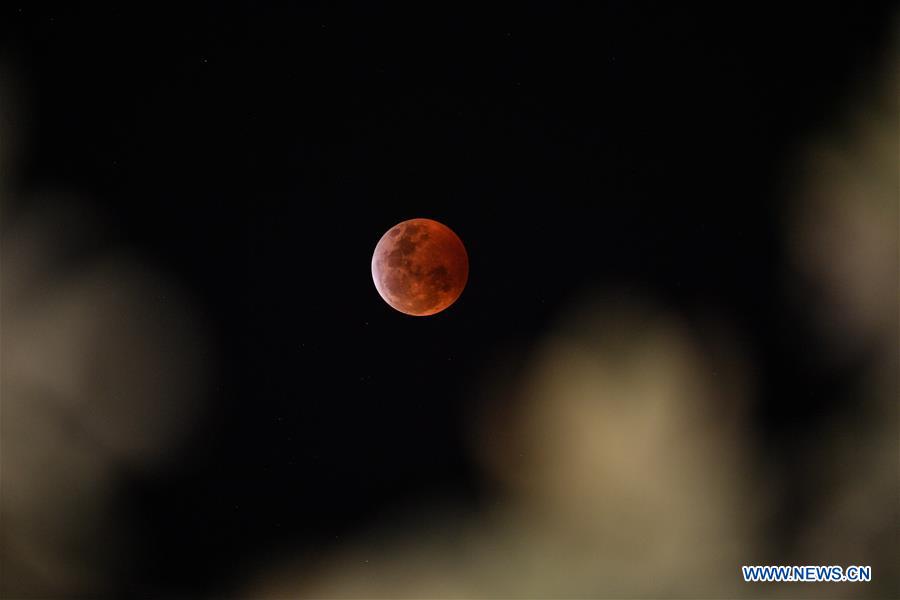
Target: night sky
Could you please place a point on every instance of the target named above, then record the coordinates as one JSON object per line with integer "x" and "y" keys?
{"x": 255, "y": 156}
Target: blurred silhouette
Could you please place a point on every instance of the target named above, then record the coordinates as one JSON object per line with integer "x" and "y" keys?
{"x": 844, "y": 233}
{"x": 616, "y": 449}
{"x": 102, "y": 365}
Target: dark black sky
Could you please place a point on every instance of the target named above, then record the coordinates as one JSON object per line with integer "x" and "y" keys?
{"x": 255, "y": 155}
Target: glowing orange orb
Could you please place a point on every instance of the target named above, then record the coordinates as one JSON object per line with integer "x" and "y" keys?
{"x": 420, "y": 267}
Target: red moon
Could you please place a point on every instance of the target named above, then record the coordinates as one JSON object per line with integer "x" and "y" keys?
{"x": 420, "y": 267}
